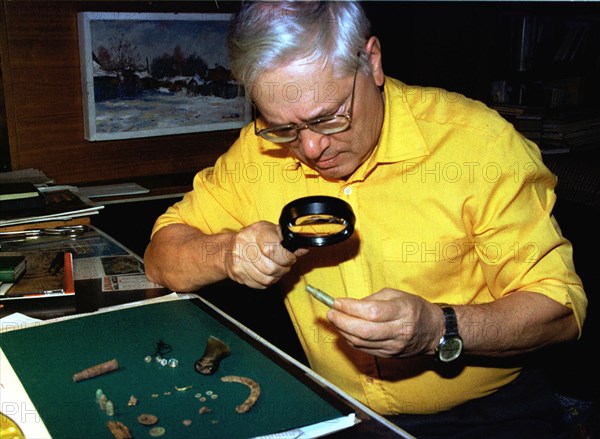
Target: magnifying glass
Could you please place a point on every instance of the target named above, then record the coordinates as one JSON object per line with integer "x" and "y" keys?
{"x": 316, "y": 221}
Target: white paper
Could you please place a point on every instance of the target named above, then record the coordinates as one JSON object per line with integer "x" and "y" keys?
{"x": 16, "y": 404}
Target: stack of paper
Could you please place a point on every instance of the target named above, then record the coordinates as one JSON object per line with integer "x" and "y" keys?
{"x": 60, "y": 203}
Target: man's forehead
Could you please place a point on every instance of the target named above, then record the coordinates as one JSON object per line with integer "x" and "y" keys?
{"x": 298, "y": 84}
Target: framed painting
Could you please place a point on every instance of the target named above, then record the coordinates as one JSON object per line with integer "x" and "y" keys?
{"x": 155, "y": 74}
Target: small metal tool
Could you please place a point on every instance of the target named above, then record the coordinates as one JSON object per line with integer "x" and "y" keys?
{"x": 64, "y": 231}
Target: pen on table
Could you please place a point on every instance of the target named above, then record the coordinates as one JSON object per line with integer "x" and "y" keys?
{"x": 320, "y": 295}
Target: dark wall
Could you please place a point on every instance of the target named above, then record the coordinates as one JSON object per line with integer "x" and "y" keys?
{"x": 463, "y": 46}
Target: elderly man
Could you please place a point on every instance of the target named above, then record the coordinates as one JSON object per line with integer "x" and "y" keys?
{"x": 456, "y": 265}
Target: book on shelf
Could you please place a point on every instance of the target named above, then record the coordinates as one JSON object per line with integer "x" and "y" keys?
{"x": 60, "y": 203}
{"x": 554, "y": 129}
{"x": 11, "y": 267}
{"x": 46, "y": 274}
{"x": 20, "y": 196}
{"x": 18, "y": 191}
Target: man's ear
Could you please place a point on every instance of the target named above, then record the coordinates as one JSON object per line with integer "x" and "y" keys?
{"x": 373, "y": 49}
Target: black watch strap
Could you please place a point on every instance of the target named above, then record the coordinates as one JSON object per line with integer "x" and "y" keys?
{"x": 450, "y": 321}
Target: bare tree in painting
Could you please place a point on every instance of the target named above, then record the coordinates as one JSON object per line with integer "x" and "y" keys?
{"x": 123, "y": 55}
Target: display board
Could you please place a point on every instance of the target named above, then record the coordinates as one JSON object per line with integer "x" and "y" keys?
{"x": 186, "y": 403}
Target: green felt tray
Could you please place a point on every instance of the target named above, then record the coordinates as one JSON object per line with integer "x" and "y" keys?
{"x": 46, "y": 357}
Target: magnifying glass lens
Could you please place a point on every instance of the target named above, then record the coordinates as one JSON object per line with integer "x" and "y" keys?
{"x": 318, "y": 225}
{"x": 316, "y": 221}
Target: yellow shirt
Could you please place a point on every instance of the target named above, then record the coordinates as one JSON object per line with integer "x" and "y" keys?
{"x": 453, "y": 205}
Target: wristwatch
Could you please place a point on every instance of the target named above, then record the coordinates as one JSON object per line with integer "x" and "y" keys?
{"x": 451, "y": 344}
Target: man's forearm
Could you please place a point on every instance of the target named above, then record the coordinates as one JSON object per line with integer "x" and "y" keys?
{"x": 518, "y": 323}
{"x": 182, "y": 258}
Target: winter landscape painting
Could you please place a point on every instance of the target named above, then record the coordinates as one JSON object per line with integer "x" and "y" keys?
{"x": 154, "y": 74}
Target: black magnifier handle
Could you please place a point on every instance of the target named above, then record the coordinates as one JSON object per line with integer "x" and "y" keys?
{"x": 316, "y": 221}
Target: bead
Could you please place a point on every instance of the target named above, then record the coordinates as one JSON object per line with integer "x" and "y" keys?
{"x": 148, "y": 359}
{"x": 110, "y": 408}
{"x": 102, "y": 402}
{"x": 158, "y": 358}
{"x": 156, "y": 431}
{"x": 163, "y": 362}
{"x": 147, "y": 419}
{"x": 99, "y": 393}
{"x": 173, "y": 362}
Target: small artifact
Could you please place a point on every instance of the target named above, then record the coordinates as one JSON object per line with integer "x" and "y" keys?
{"x": 254, "y": 391}
{"x": 147, "y": 419}
{"x": 156, "y": 431}
{"x": 183, "y": 389}
{"x": 132, "y": 401}
{"x": 119, "y": 430}
{"x": 320, "y": 295}
{"x": 214, "y": 352}
{"x": 94, "y": 371}
{"x": 204, "y": 409}
{"x": 110, "y": 408}
{"x": 102, "y": 402}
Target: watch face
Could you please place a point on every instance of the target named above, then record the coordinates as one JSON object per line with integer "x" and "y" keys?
{"x": 450, "y": 349}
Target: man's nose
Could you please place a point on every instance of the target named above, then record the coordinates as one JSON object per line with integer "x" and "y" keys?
{"x": 312, "y": 144}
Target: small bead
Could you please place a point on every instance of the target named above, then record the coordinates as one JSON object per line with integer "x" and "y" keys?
{"x": 173, "y": 362}
{"x": 158, "y": 358}
{"x": 110, "y": 408}
{"x": 204, "y": 410}
{"x": 156, "y": 431}
{"x": 148, "y": 359}
{"x": 102, "y": 402}
{"x": 164, "y": 362}
{"x": 99, "y": 393}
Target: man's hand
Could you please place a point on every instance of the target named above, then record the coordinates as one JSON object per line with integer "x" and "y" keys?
{"x": 390, "y": 323}
{"x": 257, "y": 258}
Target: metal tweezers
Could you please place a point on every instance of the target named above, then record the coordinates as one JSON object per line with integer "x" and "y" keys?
{"x": 64, "y": 231}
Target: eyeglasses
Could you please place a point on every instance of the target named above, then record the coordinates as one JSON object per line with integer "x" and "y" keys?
{"x": 323, "y": 125}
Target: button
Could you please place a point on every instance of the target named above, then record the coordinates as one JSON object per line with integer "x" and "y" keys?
{"x": 348, "y": 190}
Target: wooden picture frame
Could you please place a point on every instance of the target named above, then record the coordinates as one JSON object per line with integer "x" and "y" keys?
{"x": 155, "y": 74}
